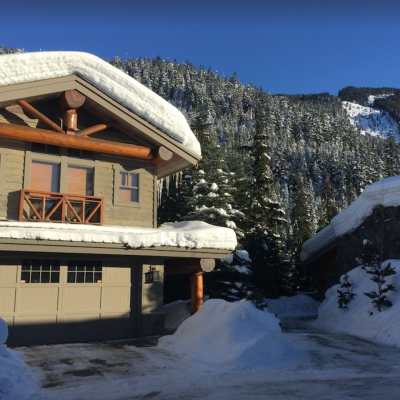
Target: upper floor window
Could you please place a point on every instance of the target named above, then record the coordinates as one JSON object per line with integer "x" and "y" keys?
{"x": 66, "y": 171}
{"x": 127, "y": 190}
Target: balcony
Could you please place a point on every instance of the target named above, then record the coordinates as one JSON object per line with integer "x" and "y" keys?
{"x": 42, "y": 206}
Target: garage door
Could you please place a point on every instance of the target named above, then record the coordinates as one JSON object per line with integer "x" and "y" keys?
{"x": 56, "y": 301}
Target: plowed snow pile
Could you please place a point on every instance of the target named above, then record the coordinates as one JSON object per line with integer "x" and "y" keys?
{"x": 237, "y": 334}
{"x": 16, "y": 381}
{"x": 357, "y": 319}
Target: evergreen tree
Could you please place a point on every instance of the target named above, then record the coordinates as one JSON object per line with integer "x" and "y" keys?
{"x": 345, "y": 295}
{"x": 371, "y": 262}
{"x": 265, "y": 215}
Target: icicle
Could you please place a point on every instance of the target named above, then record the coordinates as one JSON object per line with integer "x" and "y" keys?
{"x": 167, "y": 184}
{"x": 160, "y": 185}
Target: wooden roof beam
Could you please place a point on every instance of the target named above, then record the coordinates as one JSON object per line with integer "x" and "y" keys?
{"x": 95, "y": 128}
{"x": 25, "y": 133}
{"x": 37, "y": 114}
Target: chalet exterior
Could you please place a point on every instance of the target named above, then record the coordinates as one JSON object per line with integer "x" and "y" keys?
{"x": 373, "y": 216}
{"x": 82, "y": 146}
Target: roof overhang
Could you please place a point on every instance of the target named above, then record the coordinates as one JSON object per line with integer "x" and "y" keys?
{"x": 29, "y": 246}
{"x": 104, "y": 108}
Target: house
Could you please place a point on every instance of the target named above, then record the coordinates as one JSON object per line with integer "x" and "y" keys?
{"x": 82, "y": 146}
{"x": 373, "y": 216}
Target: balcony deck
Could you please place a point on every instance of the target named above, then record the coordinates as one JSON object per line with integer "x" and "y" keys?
{"x": 42, "y": 206}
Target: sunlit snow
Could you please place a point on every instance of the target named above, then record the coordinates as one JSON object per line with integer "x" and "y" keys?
{"x": 371, "y": 121}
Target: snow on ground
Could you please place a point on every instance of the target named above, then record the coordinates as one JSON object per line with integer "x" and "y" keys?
{"x": 16, "y": 380}
{"x": 323, "y": 365}
{"x": 299, "y": 306}
{"x": 194, "y": 234}
{"x": 381, "y": 326}
{"x": 30, "y": 67}
{"x": 371, "y": 121}
{"x": 235, "y": 334}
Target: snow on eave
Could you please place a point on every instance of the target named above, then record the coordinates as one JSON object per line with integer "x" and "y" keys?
{"x": 385, "y": 192}
{"x": 193, "y": 234}
{"x": 30, "y": 67}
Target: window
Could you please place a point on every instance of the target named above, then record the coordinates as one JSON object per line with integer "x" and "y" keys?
{"x": 45, "y": 176}
{"x": 60, "y": 170}
{"x": 40, "y": 271}
{"x": 126, "y": 186}
{"x": 80, "y": 180}
{"x": 84, "y": 271}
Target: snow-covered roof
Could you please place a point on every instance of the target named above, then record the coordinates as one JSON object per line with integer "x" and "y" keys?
{"x": 195, "y": 234}
{"x": 29, "y": 67}
{"x": 385, "y": 192}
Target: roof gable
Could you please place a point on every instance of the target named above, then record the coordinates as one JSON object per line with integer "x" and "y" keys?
{"x": 110, "y": 93}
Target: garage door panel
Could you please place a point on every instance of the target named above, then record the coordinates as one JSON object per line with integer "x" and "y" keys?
{"x": 34, "y": 298}
{"x": 8, "y": 274}
{"x": 82, "y": 298}
{"x": 116, "y": 275}
{"x": 79, "y": 327}
{"x": 116, "y": 325}
{"x": 35, "y": 329}
{"x": 7, "y": 299}
{"x": 116, "y": 298}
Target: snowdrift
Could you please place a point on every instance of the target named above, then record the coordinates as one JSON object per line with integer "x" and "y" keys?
{"x": 236, "y": 334}
{"x": 176, "y": 313}
{"x": 16, "y": 381}
{"x": 381, "y": 326}
{"x": 299, "y": 306}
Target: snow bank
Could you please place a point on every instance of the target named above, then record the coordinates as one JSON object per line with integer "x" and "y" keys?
{"x": 235, "y": 334}
{"x": 381, "y": 326}
{"x": 16, "y": 381}
{"x": 29, "y": 67}
{"x": 176, "y": 313}
{"x": 299, "y": 306}
{"x": 194, "y": 234}
{"x": 385, "y": 192}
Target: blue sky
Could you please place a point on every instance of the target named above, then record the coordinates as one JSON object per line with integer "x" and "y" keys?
{"x": 284, "y": 46}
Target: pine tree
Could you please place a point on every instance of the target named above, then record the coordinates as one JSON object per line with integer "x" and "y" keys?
{"x": 265, "y": 215}
{"x": 371, "y": 263}
{"x": 345, "y": 295}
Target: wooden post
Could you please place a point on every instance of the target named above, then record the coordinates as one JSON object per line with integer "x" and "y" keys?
{"x": 196, "y": 292}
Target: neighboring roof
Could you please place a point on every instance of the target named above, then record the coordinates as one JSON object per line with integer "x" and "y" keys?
{"x": 193, "y": 235}
{"x": 385, "y": 192}
{"x": 31, "y": 67}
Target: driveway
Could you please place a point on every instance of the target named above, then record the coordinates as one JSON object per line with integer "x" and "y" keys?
{"x": 318, "y": 365}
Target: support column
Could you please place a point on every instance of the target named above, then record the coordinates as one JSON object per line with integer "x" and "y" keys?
{"x": 196, "y": 292}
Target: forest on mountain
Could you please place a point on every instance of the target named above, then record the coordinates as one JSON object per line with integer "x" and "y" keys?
{"x": 275, "y": 168}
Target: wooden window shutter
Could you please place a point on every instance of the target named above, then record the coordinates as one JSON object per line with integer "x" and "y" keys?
{"x": 45, "y": 176}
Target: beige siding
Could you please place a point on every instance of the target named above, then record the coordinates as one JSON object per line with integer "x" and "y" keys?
{"x": 152, "y": 293}
{"x": 143, "y": 215}
{"x": 12, "y": 170}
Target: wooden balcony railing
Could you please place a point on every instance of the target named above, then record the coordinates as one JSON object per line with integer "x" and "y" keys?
{"x": 41, "y": 206}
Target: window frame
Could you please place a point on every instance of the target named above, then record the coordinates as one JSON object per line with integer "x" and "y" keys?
{"x": 94, "y": 271}
{"x": 64, "y": 161}
{"x": 52, "y": 272}
{"x": 130, "y": 169}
